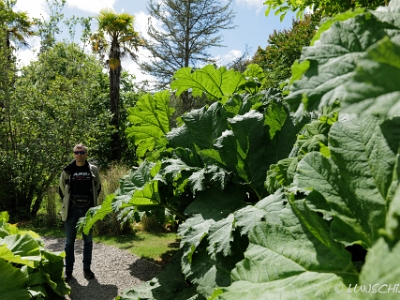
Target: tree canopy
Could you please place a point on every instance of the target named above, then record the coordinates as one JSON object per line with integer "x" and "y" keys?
{"x": 17, "y": 25}
{"x": 56, "y": 102}
{"x": 284, "y": 47}
{"x": 187, "y": 29}
{"x": 115, "y": 38}
{"x": 327, "y": 7}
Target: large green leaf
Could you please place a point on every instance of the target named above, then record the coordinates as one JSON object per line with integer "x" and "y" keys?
{"x": 26, "y": 269}
{"x": 240, "y": 104}
{"x": 307, "y": 285}
{"x": 210, "y": 272}
{"x": 379, "y": 270}
{"x": 201, "y": 128}
{"x": 370, "y": 92}
{"x": 290, "y": 250}
{"x": 193, "y": 175}
{"x": 6, "y": 228}
{"x": 21, "y": 249}
{"x": 209, "y": 207}
{"x": 314, "y": 250}
{"x": 149, "y": 195}
{"x": 52, "y": 268}
{"x": 206, "y": 125}
{"x": 211, "y": 247}
{"x": 95, "y": 214}
{"x": 243, "y": 150}
{"x": 12, "y": 282}
{"x": 221, "y": 236}
{"x": 255, "y": 79}
{"x": 139, "y": 188}
{"x": 334, "y": 59}
{"x": 392, "y": 229}
{"x": 215, "y": 83}
{"x": 149, "y": 121}
{"x": 265, "y": 210}
{"x": 312, "y": 137}
{"x": 353, "y": 185}
{"x": 137, "y": 179}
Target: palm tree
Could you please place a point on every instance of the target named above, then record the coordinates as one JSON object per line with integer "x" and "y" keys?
{"x": 15, "y": 28}
{"x": 115, "y": 39}
{"x": 16, "y": 25}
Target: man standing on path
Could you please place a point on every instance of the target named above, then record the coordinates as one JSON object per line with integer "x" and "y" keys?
{"x": 80, "y": 185}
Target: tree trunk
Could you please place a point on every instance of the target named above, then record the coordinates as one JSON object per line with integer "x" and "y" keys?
{"x": 115, "y": 76}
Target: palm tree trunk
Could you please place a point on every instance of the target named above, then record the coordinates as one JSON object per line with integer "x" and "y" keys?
{"x": 115, "y": 76}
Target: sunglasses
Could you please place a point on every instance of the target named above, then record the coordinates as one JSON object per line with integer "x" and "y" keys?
{"x": 79, "y": 152}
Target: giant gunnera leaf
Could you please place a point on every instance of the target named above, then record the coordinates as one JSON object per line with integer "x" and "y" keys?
{"x": 380, "y": 272}
{"x": 369, "y": 92}
{"x": 201, "y": 128}
{"x": 149, "y": 122}
{"x": 351, "y": 62}
{"x": 215, "y": 83}
{"x": 290, "y": 256}
{"x": 354, "y": 185}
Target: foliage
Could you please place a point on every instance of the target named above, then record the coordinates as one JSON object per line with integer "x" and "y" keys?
{"x": 27, "y": 270}
{"x": 109, "y": 184}
{"x": 351, "y": 180}
{"x": 282, "y": 202}
{"x": 196, "y": 165}
{"x": 218, "y": 84}
{"x": 188, "y": 29}
{"x": 149, "y": 122}
{"x": 57, "y": 102}
{"x": 327, "y": 7}
{"x": 340, "y": 69}
{"x": 284, "y": 47}
{"x": 16, "y": 25}
{"x": 47, "y": 29}
{"x": 115, "y": 39}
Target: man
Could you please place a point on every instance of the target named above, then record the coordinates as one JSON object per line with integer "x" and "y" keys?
{"x": 80, "y": 185}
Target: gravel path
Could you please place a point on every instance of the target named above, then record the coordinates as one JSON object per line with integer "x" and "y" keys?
{"x": 116, "y": 271}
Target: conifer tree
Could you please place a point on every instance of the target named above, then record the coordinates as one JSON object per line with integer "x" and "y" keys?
{"x": 188, "y": 29}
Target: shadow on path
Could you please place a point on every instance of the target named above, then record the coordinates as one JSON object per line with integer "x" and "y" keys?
{"x": 116, "y": 271}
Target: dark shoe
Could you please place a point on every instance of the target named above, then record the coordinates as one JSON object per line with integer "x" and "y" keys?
{"x": 67, "y": 276}
{"x": 88, "y": 274}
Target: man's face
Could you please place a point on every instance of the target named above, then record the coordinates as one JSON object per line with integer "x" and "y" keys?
{"x": 80, "y": 155}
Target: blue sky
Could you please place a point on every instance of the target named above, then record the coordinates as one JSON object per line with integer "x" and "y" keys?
{"x": 253, "y": 27}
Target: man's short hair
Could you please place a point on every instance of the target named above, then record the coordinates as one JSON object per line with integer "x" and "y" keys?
{"x": 80, "y": 146}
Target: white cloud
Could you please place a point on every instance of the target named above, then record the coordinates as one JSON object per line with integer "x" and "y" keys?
{"x": 253, "y": 3}
{"x": 227, "y": 58}
{"x": 25, "y": 56}
{"x": 34, "y": 8}
{"x": 93, "y": 6}
{"x": 308, "y": 10}
{"x": 133, "y": 68}
{"x": 140, "y": 23}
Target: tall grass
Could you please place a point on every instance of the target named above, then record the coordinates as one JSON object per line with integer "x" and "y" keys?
{"x": 109, "y": 184}
{"x": 52, "y": 207}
